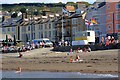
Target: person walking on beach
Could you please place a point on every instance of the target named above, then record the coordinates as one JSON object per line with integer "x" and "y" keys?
{"x": 43, "y": 44}
{"x": 107, "y": 43}
{"x": 20, "y": 55}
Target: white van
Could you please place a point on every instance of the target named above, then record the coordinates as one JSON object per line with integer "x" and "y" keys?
{"x": 46, "y": 41}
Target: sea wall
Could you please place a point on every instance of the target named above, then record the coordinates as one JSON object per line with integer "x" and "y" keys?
{"x": 93, "y": 47}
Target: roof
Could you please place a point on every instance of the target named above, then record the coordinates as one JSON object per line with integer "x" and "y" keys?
{"x": 75, "y": 16}
{"x": 12, "y": 21}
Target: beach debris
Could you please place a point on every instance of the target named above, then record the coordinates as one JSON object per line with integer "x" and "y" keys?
{"x": 64, "y": 58}
{"x": 44, "y": 53}
{"x": 89, "y": 65}
{"x": 18, "y": 70}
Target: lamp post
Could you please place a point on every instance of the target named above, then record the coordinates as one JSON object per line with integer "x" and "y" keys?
{"x": 31, "y": 25}
{"x": 71, "y": 32}
{"x": 62, "y": 30}
{"x": 113, "y": 23}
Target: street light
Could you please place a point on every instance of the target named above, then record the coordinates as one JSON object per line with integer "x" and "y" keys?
{"x": 62, "y": 30}
{"x": 113, "y": 24}
{"x": 31, "y": 25}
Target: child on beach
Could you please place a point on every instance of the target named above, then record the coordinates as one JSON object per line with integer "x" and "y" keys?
{"x": 71, "y": 51}
{"x": 77, "y": 57}
{"x": 71, "y": 59}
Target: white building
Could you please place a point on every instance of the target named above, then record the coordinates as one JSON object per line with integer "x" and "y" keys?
{"x": 43, "y": 27}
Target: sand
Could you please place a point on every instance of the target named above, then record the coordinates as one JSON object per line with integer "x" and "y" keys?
{"x": 45, "y": 60}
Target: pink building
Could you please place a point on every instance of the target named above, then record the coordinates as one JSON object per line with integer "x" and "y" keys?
{"x": 112, "y": 18}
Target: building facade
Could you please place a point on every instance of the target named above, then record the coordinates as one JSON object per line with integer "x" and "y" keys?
{"x": 10, "y": 26}
{"x": 71, "y": 25}
{"x": 98, "y": 13}
{"x": 113, "y": 18}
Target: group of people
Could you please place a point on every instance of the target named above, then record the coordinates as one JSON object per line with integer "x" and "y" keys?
{"x": 85, "y": 49}
{"x": 40, "y": 44}
{"x": 75, "y": 60}
{"x": 62, "y": 43}
{"x": 110, "y": 40}
{"x": 22, "y": 48}
{"x": 79, "y": 50}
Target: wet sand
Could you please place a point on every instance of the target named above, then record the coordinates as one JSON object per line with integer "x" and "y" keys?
{"x": 42, "y": 60}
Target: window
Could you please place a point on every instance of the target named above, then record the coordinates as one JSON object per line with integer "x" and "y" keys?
{"x": 54, "y": 26}
{"x": 50, "y": 34}
{"x": 41, "y": 27}
{"x": 28, "y": 36}
{"x": 88, "y": 33}
{"x": 109, "y": 27}
{"x": 74, "y": 30}
{"x": 28, "y": 28}
{"x": 118, "y": 6}
{"x": 23, "y": 29}
{"x": 118, "y": 16}
{"x": 108, "y": 6}
{"x": 3, "y": 30}
{"x": 39, "y": 34}
{"x": 49, "y": 26}
{"x": 13, "y": 29}
{"x": 45, "y": 34}
{"x": 8, "y": 29}
{"x": 33, "y": 27}
{"x": 74, "y": 21}
{"x": 108, "y": 17}
{"x": 45, "y": 26}
{"x": 54, "y": 33}
{"x": 117, "y": 26}
{"x": 34, "y": 35}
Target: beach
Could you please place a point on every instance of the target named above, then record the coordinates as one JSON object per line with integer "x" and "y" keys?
{"x": 105, "y": 61}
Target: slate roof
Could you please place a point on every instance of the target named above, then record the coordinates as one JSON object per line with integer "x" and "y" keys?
{"x": 12, "y": 22}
